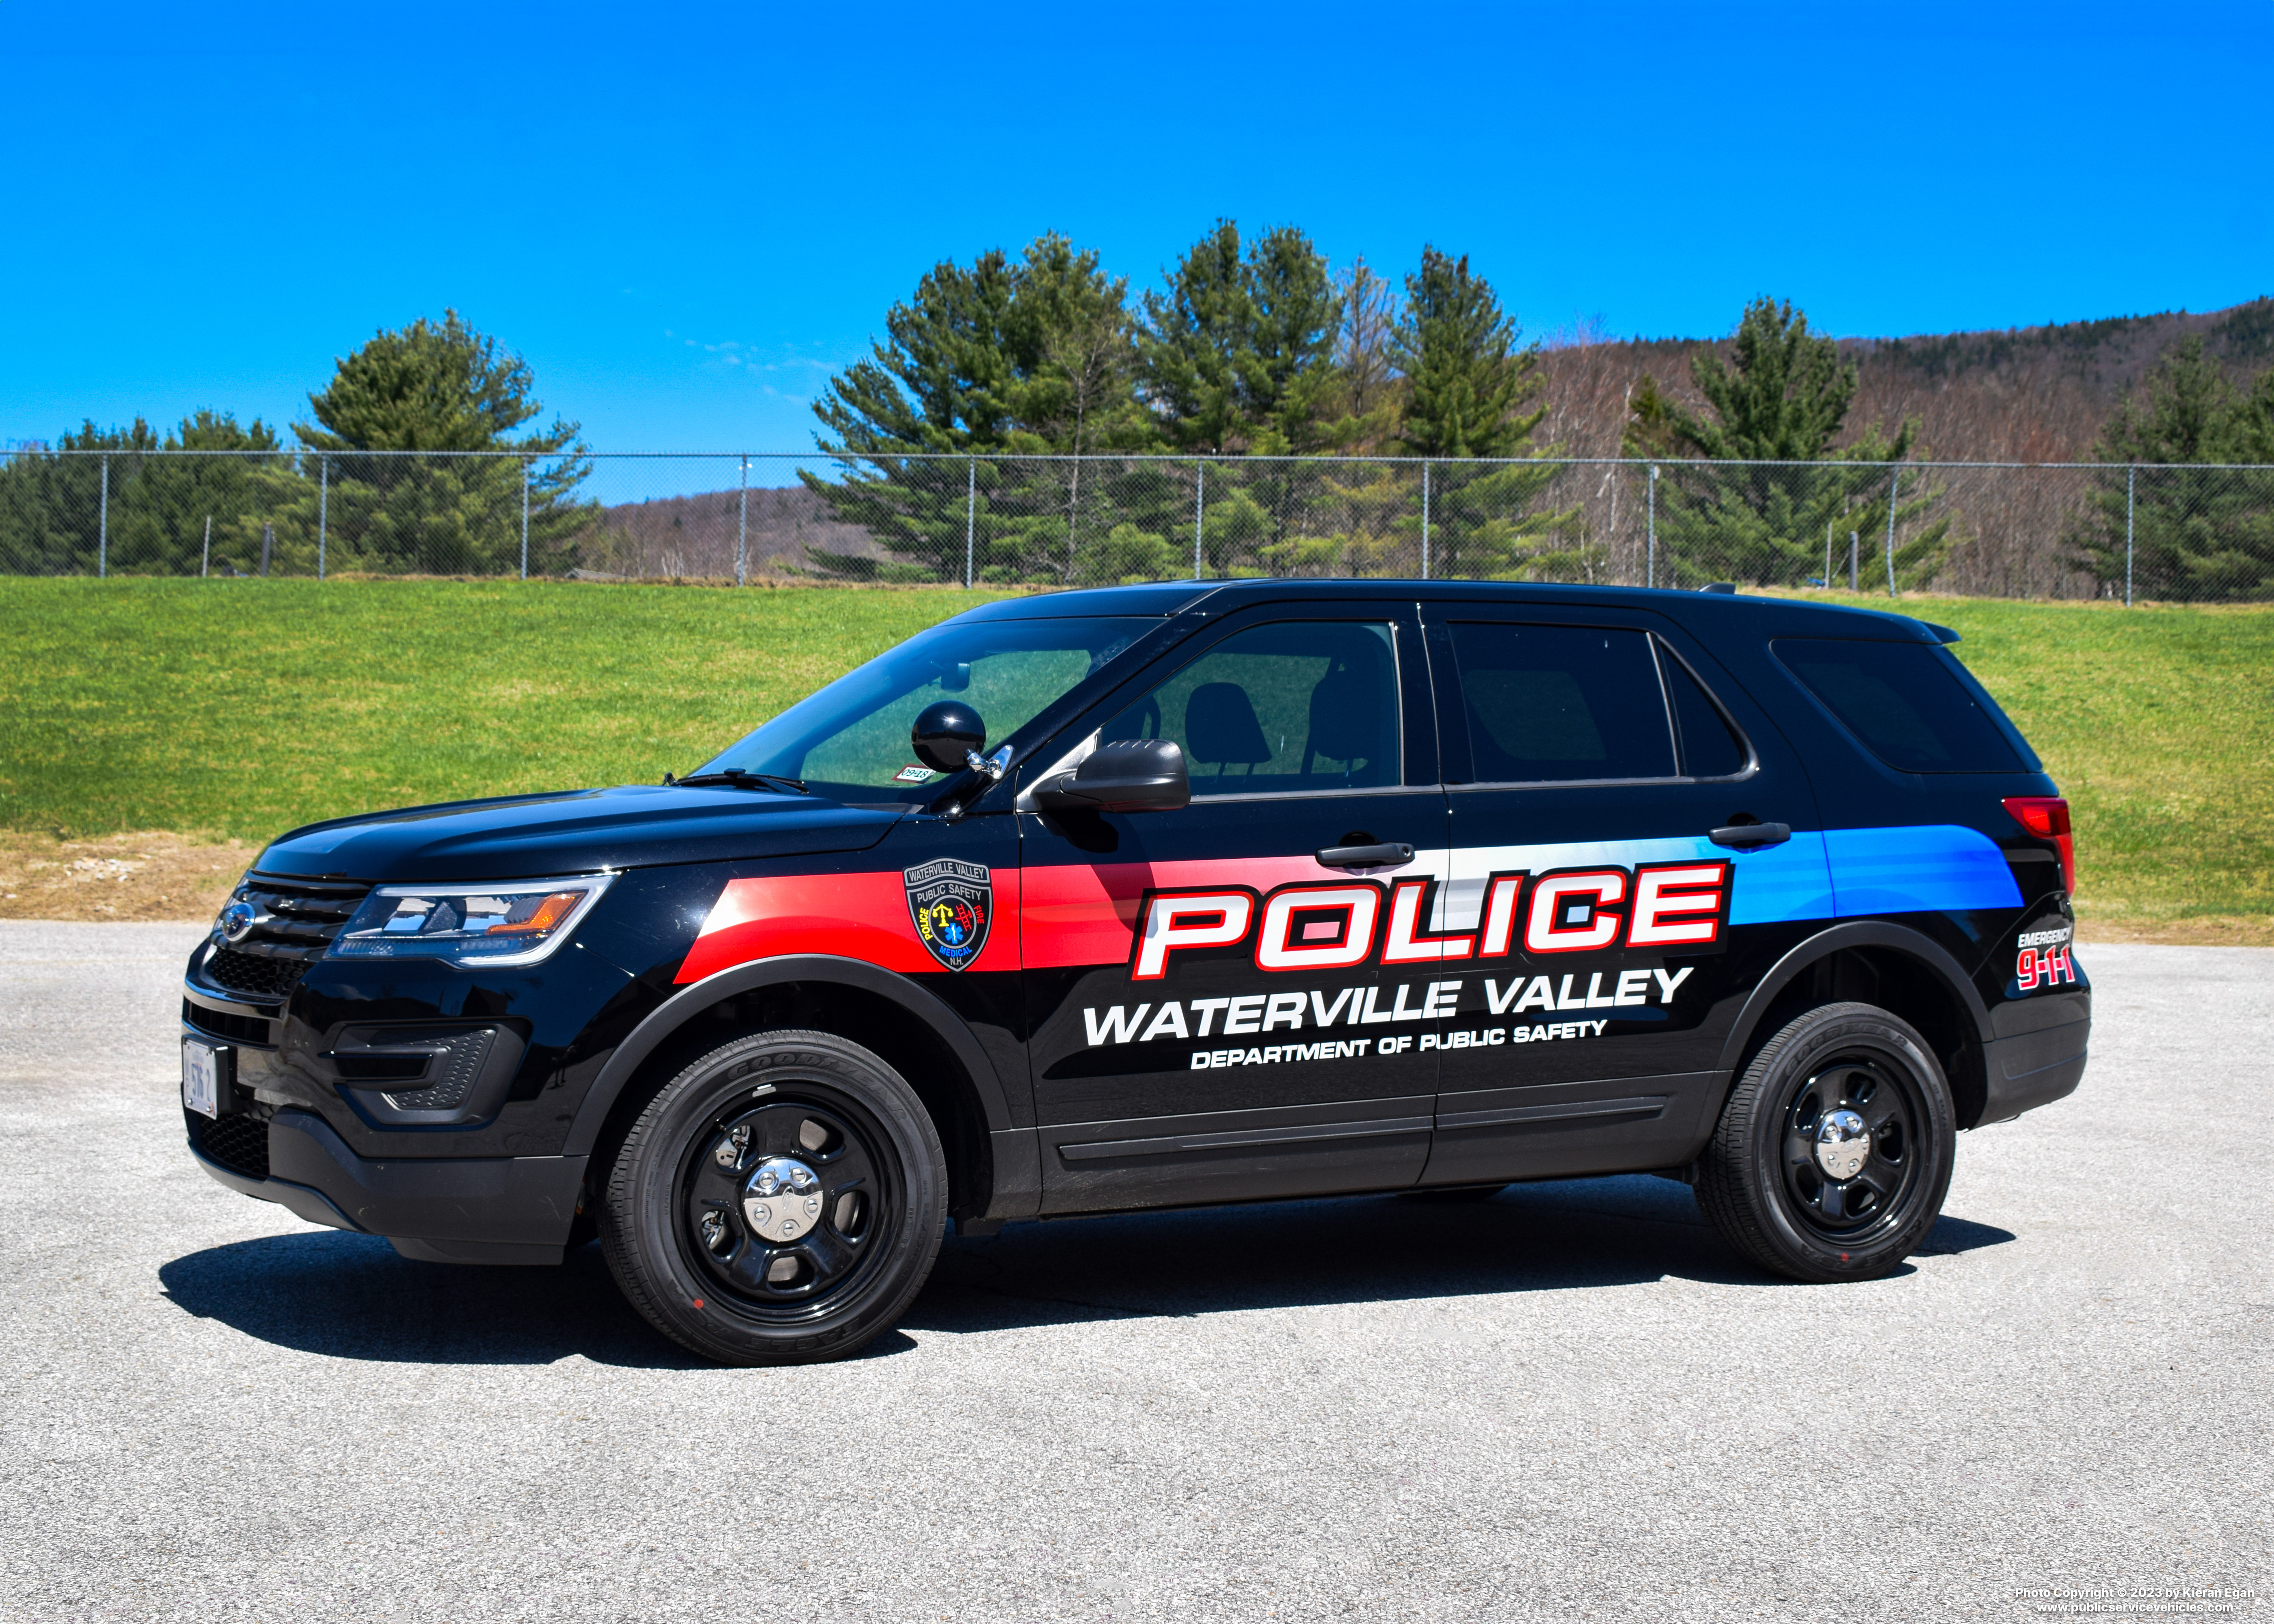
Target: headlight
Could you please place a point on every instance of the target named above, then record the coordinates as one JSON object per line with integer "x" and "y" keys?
{"x": 517, "y": 923}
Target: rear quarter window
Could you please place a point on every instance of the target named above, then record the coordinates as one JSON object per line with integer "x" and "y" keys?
{"x": 1906, "y": 702}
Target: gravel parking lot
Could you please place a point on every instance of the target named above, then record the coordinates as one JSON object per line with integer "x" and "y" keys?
{"x": 1569, "y": 1402}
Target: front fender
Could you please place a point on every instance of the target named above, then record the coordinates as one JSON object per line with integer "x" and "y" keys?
{"x": 1011, "y": 1147}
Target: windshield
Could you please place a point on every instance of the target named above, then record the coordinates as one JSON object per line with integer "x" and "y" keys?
{"x": 850, "y": 740}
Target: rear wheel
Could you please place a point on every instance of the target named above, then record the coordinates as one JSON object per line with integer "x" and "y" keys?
{"x": 1834, "y": 1150}
{"x": 779, "y": 1202}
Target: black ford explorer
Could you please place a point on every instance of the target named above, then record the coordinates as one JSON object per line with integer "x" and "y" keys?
{"x": 1167, "y": 896}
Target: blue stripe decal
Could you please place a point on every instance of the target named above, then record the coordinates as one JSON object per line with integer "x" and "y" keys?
{"x": 1771, "y": 884}
{"x": 1936, "y": 868}
{"x": 1836, "y": 874}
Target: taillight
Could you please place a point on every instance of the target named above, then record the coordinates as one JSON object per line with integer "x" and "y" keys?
{"x": 2046, "y": 816}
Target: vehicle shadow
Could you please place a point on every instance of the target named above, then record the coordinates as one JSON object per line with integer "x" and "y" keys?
{"x": 1561, "y": 1235}
{"x": 352, "y": 1296}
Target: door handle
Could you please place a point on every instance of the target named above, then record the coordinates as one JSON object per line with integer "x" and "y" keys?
{"x": 1383, "y": 854}
{"x": 1745, "y": 836}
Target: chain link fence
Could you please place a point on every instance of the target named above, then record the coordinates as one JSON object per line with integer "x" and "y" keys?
{"x": 2173, "y": 533}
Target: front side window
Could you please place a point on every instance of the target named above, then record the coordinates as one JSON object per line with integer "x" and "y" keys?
{"x": 1293, "y": 706}
{"x": 850, "y": 740}
{"x": 1561, "y": 703}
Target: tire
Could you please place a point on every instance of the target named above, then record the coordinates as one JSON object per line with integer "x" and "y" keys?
{"x": 778, "y": 1202}
{"x": 1853, "y": 1208}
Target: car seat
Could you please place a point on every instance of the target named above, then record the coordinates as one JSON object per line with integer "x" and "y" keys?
{"x": 1220, "y": 727}
{"x": 1345, "y": 719}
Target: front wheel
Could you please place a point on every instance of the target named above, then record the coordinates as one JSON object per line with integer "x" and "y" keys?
{"x": 778, "y": 1202}
{"x": 1834, "y": 1150}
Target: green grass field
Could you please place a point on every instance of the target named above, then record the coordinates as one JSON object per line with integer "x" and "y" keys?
{"x": 243, "y": 707}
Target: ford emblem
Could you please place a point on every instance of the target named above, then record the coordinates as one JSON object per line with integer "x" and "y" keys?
{"x": 237, "y": 920}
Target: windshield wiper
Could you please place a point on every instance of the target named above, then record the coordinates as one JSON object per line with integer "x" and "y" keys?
{"x": 740, "y": 778}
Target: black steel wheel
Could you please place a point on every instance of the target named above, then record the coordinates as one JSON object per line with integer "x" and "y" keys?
{"x": 779, "y": 1202}
{"x": 1835, "y": 1150}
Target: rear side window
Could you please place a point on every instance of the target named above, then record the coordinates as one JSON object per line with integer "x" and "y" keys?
{"x": 1711, "y": 748}
{"x": 1549, "y": 703}
{"x": 1903, "y": 700}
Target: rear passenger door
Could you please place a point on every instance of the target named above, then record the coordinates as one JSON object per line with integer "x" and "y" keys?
{"x": 1590, "y": 757}
{"x": 1212, "y": 1015}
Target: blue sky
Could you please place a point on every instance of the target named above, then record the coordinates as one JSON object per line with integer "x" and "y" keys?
{"x": 687, "y": 217}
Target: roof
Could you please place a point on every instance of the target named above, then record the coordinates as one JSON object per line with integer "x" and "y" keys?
{"x": 1772, "y": 615}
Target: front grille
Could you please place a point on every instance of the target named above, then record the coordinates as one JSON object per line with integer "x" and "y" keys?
{"x": 294, "y": 921}
{"x": 239, "y": 1143}
{"x": 258, "y": 978}
{"x": 238, "y": 1028}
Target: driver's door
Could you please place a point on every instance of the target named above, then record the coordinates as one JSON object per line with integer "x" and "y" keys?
{"x": 1217, "y": 1014}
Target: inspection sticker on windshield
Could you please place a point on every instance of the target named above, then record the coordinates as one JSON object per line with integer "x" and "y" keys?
{"x": 912, "y": 774}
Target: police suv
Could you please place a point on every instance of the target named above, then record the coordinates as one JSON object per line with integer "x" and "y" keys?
{"x": 1167, "y": 896}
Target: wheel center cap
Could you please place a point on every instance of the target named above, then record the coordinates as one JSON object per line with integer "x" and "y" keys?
{"x": 783, "y": 1198}
{"x": 1843, "y": 1145}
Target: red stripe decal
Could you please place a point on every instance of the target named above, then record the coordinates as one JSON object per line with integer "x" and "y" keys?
{"x": 1072, "y": 913}
{"x": 1080, "y": 915}
{"x": 862, "y": 916}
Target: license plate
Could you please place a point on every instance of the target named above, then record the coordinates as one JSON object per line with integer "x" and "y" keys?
{"x": 201, "y": 1078}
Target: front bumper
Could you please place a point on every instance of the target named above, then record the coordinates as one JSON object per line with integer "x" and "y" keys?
{"x": 2037, "y": 1055}
{"x": 506, "y": 1209}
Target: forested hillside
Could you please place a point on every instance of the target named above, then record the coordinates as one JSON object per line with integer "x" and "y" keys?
{"x": 2025, "y": 394}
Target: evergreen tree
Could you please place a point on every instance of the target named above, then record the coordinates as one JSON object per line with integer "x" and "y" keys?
{"x": 2197, "y": 533}
{"x": 444, "y": 388}
{"x": 1072, "y": 398}
{"x": 1239, "y": 353}
{"x": 162, "y": 522}
{"x": 52, "y": 515}
{"x": 1466, "y": 379}
{"x": 1199, "y": 337}
{"x": 51, "y": 504}
{"x": 1034, "y": 357}
{"x": 1467, "y": 384}
{"x": 938, "y": 381}
{"x": 1781, "y": 396}
{"x": 1237, "y": 360}
{"x": 1289, "y": 377}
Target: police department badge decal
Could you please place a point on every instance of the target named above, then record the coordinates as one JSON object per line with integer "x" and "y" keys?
{"x": 951, "y": 904}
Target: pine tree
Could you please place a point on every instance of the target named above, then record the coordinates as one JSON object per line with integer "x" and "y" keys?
{"x": 1288, "y": 376}
{"x": 941, "y": 378}
{"x": 938, "y": 381}
{"x": 1197, "y": 344}
{"x": 1072, "y": 397}
{"x": 2197, "y": 533}
{"x": 1467, "y": 385}
{"x": 256, "y": 483}
{"x": 1466, "y": 378}
{"x": 52, "y": 511}
{"x": 1033, "y": 357}
{"x": 1237, "y": 355}
{"x": 1781, "y": 396}
{"x": 444, "y": 388}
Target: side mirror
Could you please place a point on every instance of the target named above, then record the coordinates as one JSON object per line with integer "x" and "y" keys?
{"x": 1132, "y": 775}
{"x": 947, "y": 735}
